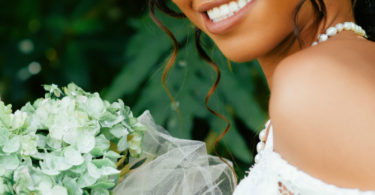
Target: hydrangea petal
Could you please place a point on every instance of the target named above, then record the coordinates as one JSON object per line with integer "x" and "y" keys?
{"x": 4, "y": 136}
{"x": 85, "y": 180}
{"x": 99, "y": 191}
{"x": 59, "y": 190}
{"x": 73, "y": 157}
{"x": 71, "y": 137}
{"x": 60, "y": 163}
{"x": 9, "y": 162}
{"x": 72, "y": 186}
{"x": 12, "y": 145}
{"x": 94, "y": 106}
{"x": 85, "y": 143}
{"x": 53, "y": 164}
{"x": 5, "y": 112}
{"x": 109, "y": 171}
{"x": 29, "y": 144}
{"x": 54, "y": 143}
{"x": 122, "y": 144}
{"x": 105, "y": 162}
{"x": 23, "y": 180}
{"x": 101, "y": 145}
{"x": 118, "y": 131}
{"x": 44, "y": 187}
{"x": 18, "y": 119}
{"x": 41, "y": 141}
{"x": 112, "y": 155}
{"x": 93, "y": 171}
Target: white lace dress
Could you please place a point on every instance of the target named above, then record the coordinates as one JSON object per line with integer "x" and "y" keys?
{"x": 272, "y": 175}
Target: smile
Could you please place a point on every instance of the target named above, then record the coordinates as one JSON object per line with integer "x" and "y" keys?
{"x": 221, "y": 16}
{"x": 225, "y": 11}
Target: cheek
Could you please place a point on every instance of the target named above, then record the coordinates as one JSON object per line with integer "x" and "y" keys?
{"x": 267, "y": 24}
{"x": 255, "y": 41}
{"x": 186, "y": 7}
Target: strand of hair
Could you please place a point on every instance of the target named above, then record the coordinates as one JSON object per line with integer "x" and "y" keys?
{"x": 204, "y": 55}
{"x": 173, "y": 57}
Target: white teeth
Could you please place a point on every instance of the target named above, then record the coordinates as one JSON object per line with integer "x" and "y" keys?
{"x": 242, "y": 3}
{"x": 216, "y": 12}
{"x": 233, "y": 6}
{"x": 226, "y": 10}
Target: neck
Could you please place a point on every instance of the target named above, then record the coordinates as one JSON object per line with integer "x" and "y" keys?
{"x": 335, "y": 13}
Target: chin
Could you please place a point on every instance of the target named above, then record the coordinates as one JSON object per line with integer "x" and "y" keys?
{"x": 239, "y": 59}
{"x": 244, "y": 50}
{"x": 240, "y": 56}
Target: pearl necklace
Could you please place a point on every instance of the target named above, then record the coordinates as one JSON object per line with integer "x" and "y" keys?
{"x": 263, "y": 137}
{"x": 331, "y": 31}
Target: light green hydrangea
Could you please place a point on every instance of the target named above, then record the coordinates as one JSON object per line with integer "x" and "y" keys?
{"x": 18, "y": 120}
{"x": 61, "y": 144}
{"x": 29, "y": 144}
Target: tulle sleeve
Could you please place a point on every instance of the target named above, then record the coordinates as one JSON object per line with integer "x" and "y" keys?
{"x": 175, "y": 166}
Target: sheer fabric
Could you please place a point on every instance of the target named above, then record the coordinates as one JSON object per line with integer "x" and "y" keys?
{"x": 272, "y": 175}
{"x": 175, "y": 166}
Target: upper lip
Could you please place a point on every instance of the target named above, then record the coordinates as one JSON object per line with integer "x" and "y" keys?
{"x": 207, "y": 5}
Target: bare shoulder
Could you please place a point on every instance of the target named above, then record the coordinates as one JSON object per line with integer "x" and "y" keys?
{"x": 322, "y": 108}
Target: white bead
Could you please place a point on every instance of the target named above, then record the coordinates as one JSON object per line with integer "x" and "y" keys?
{"x": 347, "y": 25}
{"x": 315, "y": 43}
{"x": 339, "y": 27}
{"x": 356, "y": 28}
{"x": 323, "y": 37}
{"x": 257, "y": 158}
{"x": 331, "y": 31}
{"x": 260, "y": 146}
{"x": 262, "y": 135}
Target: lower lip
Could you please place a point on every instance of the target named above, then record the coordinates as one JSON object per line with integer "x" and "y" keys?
{"x": 226, "y": 25}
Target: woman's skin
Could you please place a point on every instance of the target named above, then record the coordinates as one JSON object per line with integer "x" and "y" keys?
{"x": 322, "y": 103}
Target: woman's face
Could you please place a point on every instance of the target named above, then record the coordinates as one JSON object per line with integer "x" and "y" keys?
{"x": 243, "y": 29}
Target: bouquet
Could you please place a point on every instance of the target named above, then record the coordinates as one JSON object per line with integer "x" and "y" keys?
{"x": 69, "y": 142}
{"x": 73, "y": 142}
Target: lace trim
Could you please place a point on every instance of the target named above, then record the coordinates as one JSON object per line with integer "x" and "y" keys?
{"x": 273, "y": 175}
{"x": 297, "y": 180}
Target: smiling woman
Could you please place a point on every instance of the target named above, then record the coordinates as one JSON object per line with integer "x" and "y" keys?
{"x": 319, "y": 65}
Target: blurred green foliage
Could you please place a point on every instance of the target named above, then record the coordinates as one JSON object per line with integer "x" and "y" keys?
{"x": 113, "y": 46}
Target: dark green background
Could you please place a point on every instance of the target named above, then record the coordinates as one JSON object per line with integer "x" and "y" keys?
{"x": 113, "y": 47}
